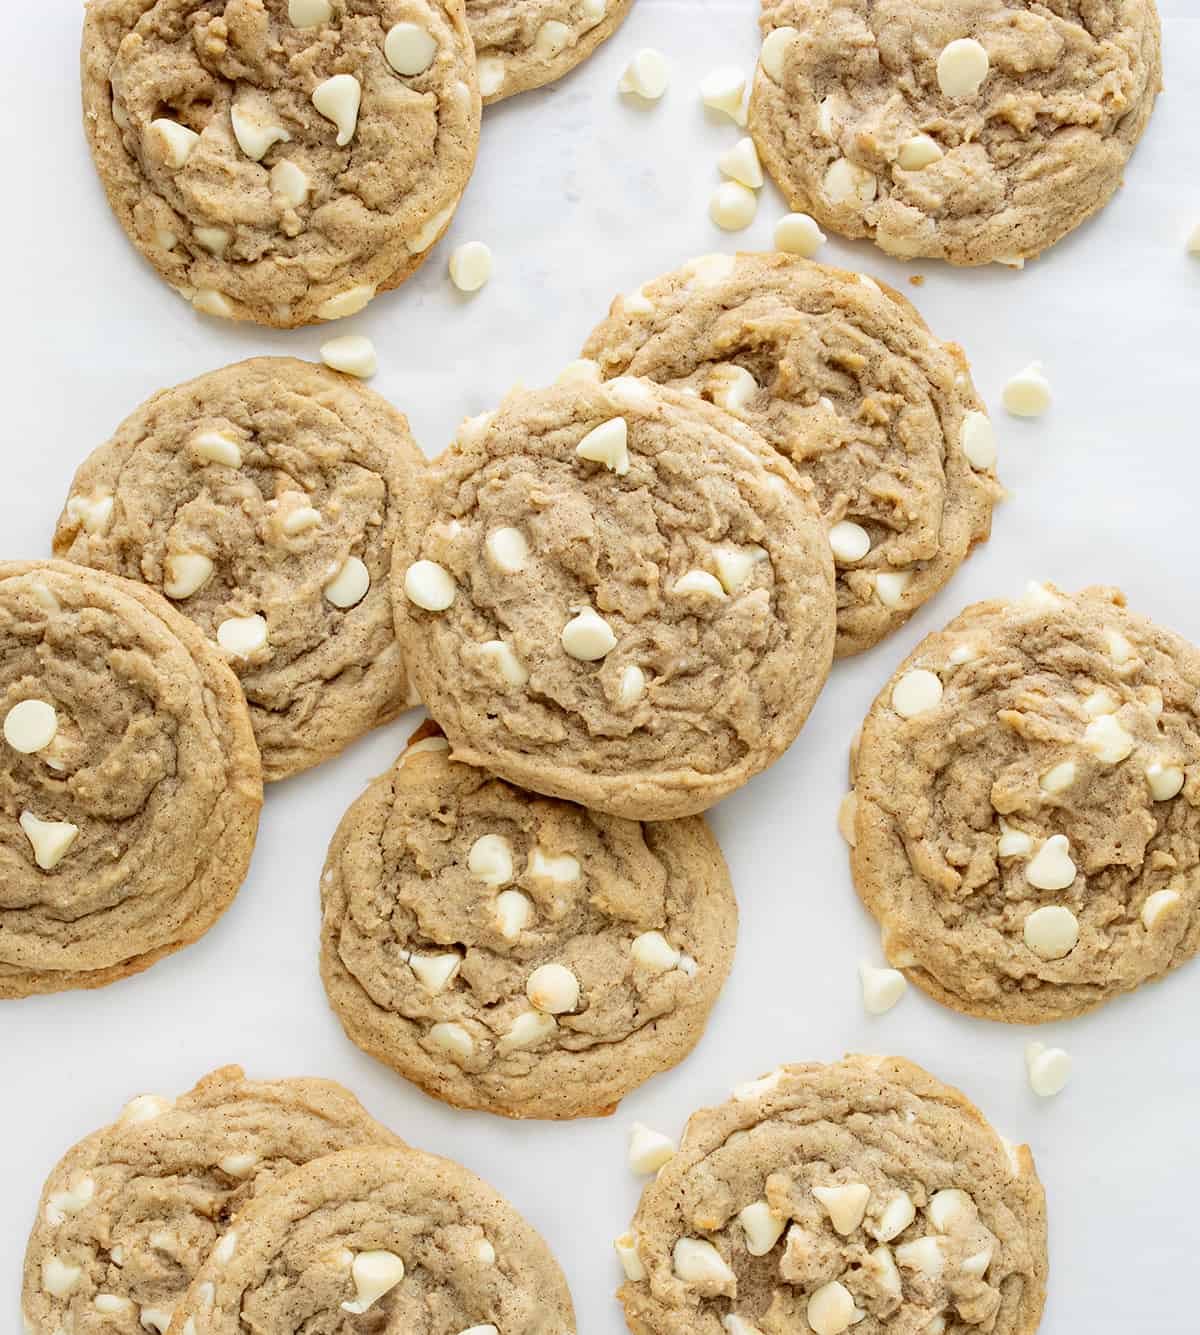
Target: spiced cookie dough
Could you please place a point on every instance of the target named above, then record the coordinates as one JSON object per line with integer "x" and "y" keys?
{"x": 264, "y": 500}
{"x": 863, "y": 1196}
{"x": 840, "y": 374}
{"x": 624, "y": 598}
{"x": 403, "y": 1240}
{"x": 128, "y": 1217}
{"x": 281, "y": 161}
{"x": 523, "y": 44}
{"x": 130, "y": 785}
{"x": 1027, "y": 828}
{"x": 969, "y": 130}
{"x": 516, "y": 953}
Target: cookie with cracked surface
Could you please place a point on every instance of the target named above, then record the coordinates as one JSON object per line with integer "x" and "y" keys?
{"x": 399, "y": 1239}
{"x": 624, "y": 598}
{"x": 865, "y": 1195}
{"x": 973, "y": 131}
{"x": 130, "y": 784}
{"x": 523, "y": 44}
{"x": 131, "y": 1213}
{"x": 281, "y": 161}
{"x": 517, "y": 953}
{"x": 264, "y": 500}
{"x": 1027, "y": 829}
{"x": 840, "y": 374}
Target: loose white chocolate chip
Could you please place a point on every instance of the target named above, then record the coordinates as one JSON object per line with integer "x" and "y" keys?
{"x": 735, "y": 565}
{"x": 350, "y": 585}
{"x": 508, "y": 550}
{"x": 733, "y": 389}
{"x": 374, "y": 1274}
{"x": 890, "y": 586}
{"x": 896, "y": 1217}
{"x": 30, "y": 726}
{"x": 926, "y": 1255}
{"x": 506, "y": 663}
{"x": 352, "y": 354}
{"x": 60, "y": 1204}
{"x": 435, "y": 973}
{"x": 831, "y": 1309}
{"x": 562, "y": 870}
{"x": 632, "y": 687}
{"x": 492, "y": 74}
{"x": 1107, "y": 740}
{"x": 178, "y": 143}
{"x": 350, "y": 302}
{"x": 1052, "y": 931}
{"x": 698, "y": 1262}
{"x": 762, "y": 1226}
{"x": 470, "y": 266}
{"x": 1049, "y": 1070}
{"x": 916, "y": 692}
{"x": 1193, "y": 245}
{"x": 186, "y": 573}
{"x": 588, "y": 637}
{"x": 51, "y": 840}
{"x": 847, "y": 811}
{"x": 733, "y": 206}
{"x": 945, "y": 1207}
{"x": 962, "y": 67}
{"x": 724, "y": 90}
{"x": 215, "y": 447}
{"x": 701, "y": 582}
{"x": 978, "y": 440}
{"x": 529, "y": 1030}
{"x": 1013, "y": 843}
{"x": 845, "y": 1205}
{"x": 649, "y": 1150}
{"x": 647, "y": 75}
{"x": 1156, "y": 905}
{"x": 740, "y": 163}
{"x": 309, "y": 13}
{"x": 290, "y": 182}
{"x": 1166, "y": 781}
{"x": 409, "y": 49}
{"x": 553, "y": 989}
{"x": 881, "y": 988}
{"x": 631, "y": 1262}
{"x": 253, "y": 130}
{"x": 208, "y": 301}
{"x": 1027, "y": 394}
{"x": 846, "y": 182}
{"x": 59, "y": 1279}
{"x": 850, "y": 542}
{"x": 238, "y": 1165}
{"x": 453, "y": 1039}
{"x": 919, "y": 152}
{"x": 93, "y": 512}
{"x": 1060, "y": 778}
{"x": 774, "y": 49}
{"x": 798, "y": 234}
{"x": 607, "y": 444}
{"x": 654, "y": 952}
{"x": 491, "y": 860}
{"x": 551, "y": 38}
{"x": 242, "y": 636}
{"x": 429, "y": 585}
{"x": 338, "y": 100}
{"x": 144, "y": 1108}
{"x": 514, "y": 912}
{"x": 213, "y": 239}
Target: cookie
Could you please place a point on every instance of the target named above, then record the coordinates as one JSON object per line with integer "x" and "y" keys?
{"x": 624, "y": 598}
{"x": 516, "y": 953}
{"x": 281, "y": 161}
{"x": 840, "y": 374}
{"x": 398, "y": 1239}
{"x": 130, "y": 785}
{"x": 973, "y": 131}
{"x": 863, "y": 1196}
{"x": 264, "y": 500}
{"x": 1028, "y": 807}
{"x": 523, "y": 44}
{"x": 129, "y": 1215}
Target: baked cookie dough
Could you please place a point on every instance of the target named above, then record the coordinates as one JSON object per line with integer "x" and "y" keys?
{"x": 1028, "y": 806}
{"x": 968, "y": 130}
{"x": 523, "y": 44}
{"x": 624, "y": 598}
{"x": 263, "y": 500}
{"x": 130, "y": 785}
{"x": 841, "y": 375}
{"x": 129, "y": 1215}
{"x": 281, "y": 161}
{"x": 400, "y": 1240}
{"x": 863, "y": 1196}
{"x": 517, "y": 953}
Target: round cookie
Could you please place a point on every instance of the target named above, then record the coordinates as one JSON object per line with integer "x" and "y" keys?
{"x": 624, "y": 598}
{"x": 131, "y": 1213}
{"x": 863, "y": 1196}
{"x": 840, "y": 374}
{"x": 130, "y": 785}
{"x": 264, "y": 499}
{"x": 523, "y": 44}
{"x": 517, "y": 953}
{"x": 1027, "y": 828}
{"x": 281, "y": 161}
{"x": 405, "y": 1239}
{"x": 969, "y": 130}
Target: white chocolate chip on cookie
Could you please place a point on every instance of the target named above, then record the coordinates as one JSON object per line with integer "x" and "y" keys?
{"x": 916, "y": 692}
{"x": 831, "y": 1309}
{"x": 242, "y": 636}
{"x": 491, "y": 860}
{"x": 552, "y": 37}
{"x": 697, "y": 1262}
{"x": 255, "y": 129}
{"x": 51, "y": 840}
{"x": 560, "y": 870}
{"x": 919, "y": 152}
{"x": 654, "y": 952}
{"x": 978, "y": 440}
{"x": 962, "y": 67}
{"x": 925, "y": 1255}
{"x": 774, "y": 51}
{"x": 1166, "y": 781}
{"x": 216, "y": 447}
{"x": 699, "y": 582}
{"x": 890, "y": 586}
{"x": 607, "y": 444}
{"x": 948, "y": 1206}
{"x": 374, "y": 1274}
{"x": 588, "y": 637}
{"x": 144, "y": 1108}
{"x": 309, "y": 13}
{"x": 505, "y": 662}
{"x": 514, "y": 912}
{"x": 553, "y": 989}
{"x": 93, "y": 512}
{"x": 290, "y": 182}
{"x": 762, "y": 1226}
{"x": 429, "y": 586}
{"x": 1107, "y": 740}
{"x": 735, "y": 565}
{"x": 338, "y": 100}
{"x": 846, "y": 183}
{"x": 1160, "y": 902}
{"x": 632, "y": 686}
{"x": 845, "y": 1205}
{"x": 529, "y": 1030}
{"x": 409, "y": 49}
{"x": 631, "y": 1263}
{"x": 847, "y": 811}
{"x": 850, "y": 542}
{"x": 732, "y": 388}
{"x": 350, "y": 584}
{"x": 453, "y": 1039}
{"x": 1052, "y": 868}
{"x": 30, "y": 726}
{"x": 1052, "y": 931}
{"x": 649, "y": 1150}
{"x": 1059, "y": 778}
{"x": 186, "y": 573}
{"x": 59, "y": 1278}
{"x": 176, "y": 143}
{"x": 435, "y": 973}
{"x": 895, "y": 1217}
{"x": 350, "y": 302}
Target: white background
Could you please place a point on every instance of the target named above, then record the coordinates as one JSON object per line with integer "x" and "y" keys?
{"x": 581, "y": 194}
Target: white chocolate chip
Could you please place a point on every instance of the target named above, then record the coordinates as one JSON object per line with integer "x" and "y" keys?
{"x": 491, "y": 860}
{"x": 831, "y": 1309}
{"x": 409, "y": 49}
{"x": 309, "y": 13}
{"x": 881, "y": 988}
{"x": 1052, "y": 931}
{"x": 847, "y": 812}
{"x": 762, "y": 1226}
{"x": 735, "y": 565}
{"x": 216, "y": 447}
{"x": 947, "y": 1206}
{"x": 186, "y": 573}
{"x": 926, "y": 1255}
{"x": 798, "y": 234}
{"x": 701, "y": 582}
{"x": 1099, "y": 702}
{"x": 508, "y": 550}
{"x": 485, "y": 1252}
{"x": 631, "y": 1262}
{"x": 470, "y": 266}
{"x": 724, "y": 90}
{"x": 1166, "y": 781}
{"x": 1107, "y": 740}
{"x": 374, "y": 1274}
{"x": 978, "y": 440}
{"x": 1049, "y": 1070}
{"x": 698, "y": 1262}
{"x": 514, "y": 912}
{"x": 850, "y": 542}
{"x": 213, "y": 239}
{"x": 429, "y": 585}
{"x": 654, "y": 952}
{"x": 435, "y": 973}
{"x": 453, "y": 1039}
{"x": 632, "y": 686}
{"x": 963, "y": 653}
{"x": 895, "y": 1218}
{"x": 350, "y": 585}
{"x": 298, "y": 519}
{"x": 290, "y": 182}
{"x": 1051, "y": 869}
{"x": 529, "y": 1030}
{"x": 845, "y": 1205}
{"x": 167, "y": 240}
{"x": 350, "y": 302}
{"x": 93, "y": 512}
{"x": 647, "y": 75}
{"x": 588, "y": 637}
{"x": 502, "y": 658}
{"x": 1160, "y": 902}
{"x": 1013, "y": 843}
{"x": 109, "y": 1304}
{"x": 977, "y": 1264}
{"x": 551, "y": 38}
{"x": 649, "y": 1150}
{"x": 733, "y": 206}
{"x": 239, "y": 1165}
{"x": 78, "y": 1194}
{"x": 1060, "y": 778}
{"x": 30, "y": 726}
{"x": 740, "y": 163}
{"x": 51, "y": 840}
{"x": 581, "y": 370}
{"x": 774, "y": 50}
{"x": 1040, "y": 596}
{"x": 919, "y": 152}
{"x": 732, "y": 388}
{"x": 752, "y": 1089}
{"x": 254, "y": 130}
{"x": 426, "y": 744}
{"x": 156, "y": 1318}
{"x": 637, "y": 303}
{"x": 1120, "y": 650}
{"x": 352, "y": 354}
{"x": 242, "y": 636}
{"x": 338, "y": 100}
{"x": 144, "y": 1108}
{"x": 916, "y": 692}
{"x": 177, "y": 143}
{"x": 890, "y": 586}
{"x": 208, "y": 301}
{"x": 1027, "y": 394}
{"x": 562, "y": 870}
{"x": 492, "y": 74}
{"x": 962, "y": 67}
{"x": 553, "y": 989}
{"x": 607, "y": 444}
{"x": 847, "y": 183}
